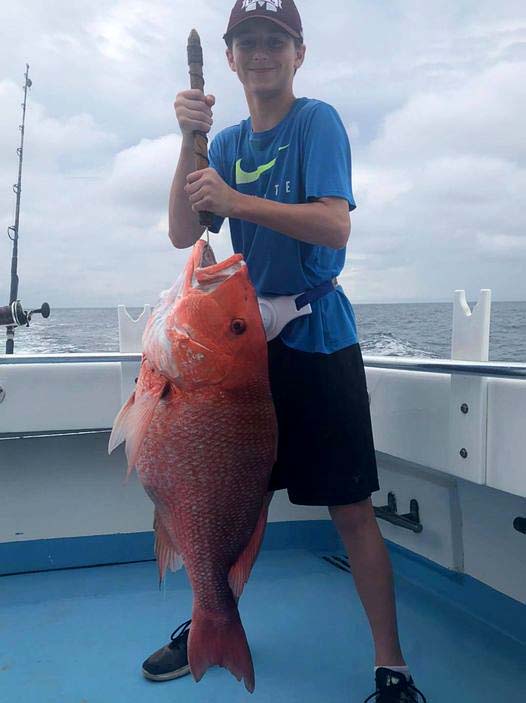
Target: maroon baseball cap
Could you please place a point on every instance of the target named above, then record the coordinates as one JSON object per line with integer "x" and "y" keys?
{"x": 282, "y": 12}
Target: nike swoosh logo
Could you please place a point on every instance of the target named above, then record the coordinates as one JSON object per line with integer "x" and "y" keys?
{"x": 251, "y": 176}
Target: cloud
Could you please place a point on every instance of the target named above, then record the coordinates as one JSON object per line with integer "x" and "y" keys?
{"x": 443, "y": 183}
{"x": 482, "y": 116}
{"x": 502, "y": 247}
{"x": 140, "y": 176}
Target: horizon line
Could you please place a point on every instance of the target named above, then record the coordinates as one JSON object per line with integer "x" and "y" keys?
{"x": 407, "y": 301}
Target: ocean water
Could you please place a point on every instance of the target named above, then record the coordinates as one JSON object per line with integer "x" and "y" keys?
{"x": 395, "y": 329}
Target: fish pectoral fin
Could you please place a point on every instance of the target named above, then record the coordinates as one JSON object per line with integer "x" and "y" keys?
{"x": 240, "y": 571}
{"x": 166, "y": 553}
{"x": 118, "y": 432}
{"x": 132, "y": 423}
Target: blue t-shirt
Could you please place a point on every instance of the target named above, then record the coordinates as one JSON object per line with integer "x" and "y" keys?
{"x": 305, "y": 156}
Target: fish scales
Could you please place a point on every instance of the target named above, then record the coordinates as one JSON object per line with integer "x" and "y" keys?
{"x": 196, "y": 474}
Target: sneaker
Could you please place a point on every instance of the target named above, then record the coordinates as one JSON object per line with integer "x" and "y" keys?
{"x": 393, "y": 687}
{"x": 171, "y": 661}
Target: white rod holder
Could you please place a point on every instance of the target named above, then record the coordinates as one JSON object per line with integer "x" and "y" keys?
{"x": 469, "y": 394}
{"x": 130, "y": 341}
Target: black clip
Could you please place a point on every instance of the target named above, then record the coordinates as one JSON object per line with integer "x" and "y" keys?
{"x": 409, "y": 521}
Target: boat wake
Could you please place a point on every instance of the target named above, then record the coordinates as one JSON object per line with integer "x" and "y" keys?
{"x": 386, "y": 344}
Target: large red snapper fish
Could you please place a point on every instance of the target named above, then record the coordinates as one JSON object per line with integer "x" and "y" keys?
{"x": 201, "y": 431}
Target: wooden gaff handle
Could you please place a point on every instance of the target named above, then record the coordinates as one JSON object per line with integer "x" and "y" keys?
{"x": 195, "y": 65}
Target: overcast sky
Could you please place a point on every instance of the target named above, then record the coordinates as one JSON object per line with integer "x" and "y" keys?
{"x": 431, "y": 93}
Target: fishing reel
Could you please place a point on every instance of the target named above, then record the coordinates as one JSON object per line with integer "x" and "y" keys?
{"x": 14, "y": 315}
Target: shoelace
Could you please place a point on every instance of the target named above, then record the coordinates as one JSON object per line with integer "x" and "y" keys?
{"x": 393, "y": 691}
{"x": 182, "y": 628}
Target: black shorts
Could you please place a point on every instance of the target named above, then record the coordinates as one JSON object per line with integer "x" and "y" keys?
{"x": 325, "y": 447}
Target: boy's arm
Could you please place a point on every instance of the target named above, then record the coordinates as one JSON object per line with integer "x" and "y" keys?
{"x": 183, "y": 222}
{"x": 325, "y": 221}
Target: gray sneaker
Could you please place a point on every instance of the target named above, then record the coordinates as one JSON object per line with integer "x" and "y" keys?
{"x": 171, "y": 661}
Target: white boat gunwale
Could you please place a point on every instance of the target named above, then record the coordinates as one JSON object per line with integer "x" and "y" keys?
{"x": 503, "y": 369}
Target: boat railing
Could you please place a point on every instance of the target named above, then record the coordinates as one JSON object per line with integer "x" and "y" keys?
{"x": 502, "y": 369}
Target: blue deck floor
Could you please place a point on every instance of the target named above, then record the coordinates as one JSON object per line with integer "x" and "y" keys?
{"x": 80, "y": 635}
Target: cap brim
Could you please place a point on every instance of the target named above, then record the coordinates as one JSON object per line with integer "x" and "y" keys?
{"x": 270, "y": 19}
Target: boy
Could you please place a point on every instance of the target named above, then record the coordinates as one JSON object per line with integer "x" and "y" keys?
{"x": 283, "y": 178}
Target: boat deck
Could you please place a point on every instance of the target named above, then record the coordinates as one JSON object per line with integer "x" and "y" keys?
{"x": 80, "y": 636}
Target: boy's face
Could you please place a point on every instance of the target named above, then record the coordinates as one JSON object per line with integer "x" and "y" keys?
{"x": 264, "y": 56}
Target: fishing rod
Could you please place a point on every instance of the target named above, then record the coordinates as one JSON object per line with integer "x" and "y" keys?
{"x": 14, "y": 315}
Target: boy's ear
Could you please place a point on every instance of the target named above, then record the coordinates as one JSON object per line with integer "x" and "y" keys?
{"x": 300, "y": 54}
{"x": 230, "y": 58}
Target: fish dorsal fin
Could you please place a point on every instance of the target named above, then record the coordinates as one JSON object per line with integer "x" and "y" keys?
{"x": 133, "y": 421}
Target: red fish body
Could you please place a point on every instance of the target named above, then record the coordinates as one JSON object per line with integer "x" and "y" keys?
{"x": 201, "y": 432}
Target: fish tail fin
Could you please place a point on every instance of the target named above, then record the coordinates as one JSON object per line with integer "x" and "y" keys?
{"x": 220, "y": 643}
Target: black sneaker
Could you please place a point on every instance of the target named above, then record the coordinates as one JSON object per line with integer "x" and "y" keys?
{"x": 393, "y": 687}
{"x": 171, "y": 661}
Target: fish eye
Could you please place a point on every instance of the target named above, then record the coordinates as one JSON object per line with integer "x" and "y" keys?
{"x": 238, "y": 326}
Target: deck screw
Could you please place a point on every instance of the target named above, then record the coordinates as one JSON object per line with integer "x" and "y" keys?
{"x": 464, "y": 407}
{"x": 463, "y": 453}
{"x": 2, "y": 394}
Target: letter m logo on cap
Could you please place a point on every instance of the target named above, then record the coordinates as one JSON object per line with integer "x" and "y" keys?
{"x": 271, "y": 5}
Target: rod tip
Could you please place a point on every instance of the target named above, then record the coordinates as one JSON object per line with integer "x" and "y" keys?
{"x": 194, "y": 37}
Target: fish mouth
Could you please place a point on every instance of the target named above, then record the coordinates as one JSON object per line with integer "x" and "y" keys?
{"x": 207, "y": 274}
{"x": 207, "y": 256}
